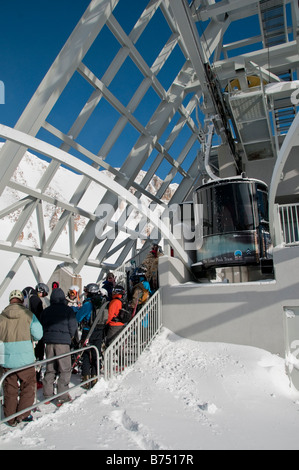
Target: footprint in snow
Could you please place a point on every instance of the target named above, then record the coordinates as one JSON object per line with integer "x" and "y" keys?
{"x": 121, "y": 418}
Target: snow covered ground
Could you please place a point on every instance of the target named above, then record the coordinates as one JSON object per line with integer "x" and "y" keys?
{"x": 180, "y": 395}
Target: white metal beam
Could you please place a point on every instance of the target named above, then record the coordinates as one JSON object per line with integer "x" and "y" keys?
{"x": 190, "y": 37}
{"x": 140, "y": 152}
{"x": 111, "y": 185}
{"x": 291, "y": 140}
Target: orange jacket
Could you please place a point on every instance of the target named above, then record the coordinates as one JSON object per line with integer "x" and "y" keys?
{"x": 115, "y": 306}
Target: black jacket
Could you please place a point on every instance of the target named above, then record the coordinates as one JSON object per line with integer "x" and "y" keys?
{"x": 35, "y": 303}
{"x": 58, "y": 320}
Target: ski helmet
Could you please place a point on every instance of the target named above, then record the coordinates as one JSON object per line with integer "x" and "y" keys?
{"x": 16, "y": 294}
{"x": 74, "y": 288}
{"x": 43, "y": 288}
{"x": 103, "y": 292}
{"x": 118, "y": 290}
{"x": 27, "y": 291}
{"x": 91, "y": 289}
{"x": 139, "y": 274}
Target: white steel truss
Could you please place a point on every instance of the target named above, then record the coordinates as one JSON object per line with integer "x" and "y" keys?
{"x": 163, "y": 126}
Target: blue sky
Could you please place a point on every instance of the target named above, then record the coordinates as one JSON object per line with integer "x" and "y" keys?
{"x": 32, "y": 34}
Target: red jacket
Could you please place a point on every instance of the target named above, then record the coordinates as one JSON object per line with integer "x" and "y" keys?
{"x": 114, "y": 307}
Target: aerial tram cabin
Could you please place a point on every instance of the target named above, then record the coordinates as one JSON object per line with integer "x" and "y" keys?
{"x": 232, "y": 226}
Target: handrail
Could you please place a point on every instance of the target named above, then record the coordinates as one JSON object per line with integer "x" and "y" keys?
{"x": 37, "y": 363}
{"x": 134, "y": 338}
{"x": 122, "y": 352}
{"x": 289, "y": 220}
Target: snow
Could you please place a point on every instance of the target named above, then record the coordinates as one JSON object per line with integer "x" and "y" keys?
{"x": 180, "y": 395}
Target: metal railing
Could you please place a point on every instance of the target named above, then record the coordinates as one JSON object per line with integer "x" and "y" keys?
{"x": 134, "y": 338}
{"x": 122, "y": 352}
{"x": 289, "y": 220}
{"x": 39, "y": 363}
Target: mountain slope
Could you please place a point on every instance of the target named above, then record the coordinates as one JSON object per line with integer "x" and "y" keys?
{"x": 29, "y": 173}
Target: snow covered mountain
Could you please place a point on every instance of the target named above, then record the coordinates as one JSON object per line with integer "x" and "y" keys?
{"x": 29, "y": 173}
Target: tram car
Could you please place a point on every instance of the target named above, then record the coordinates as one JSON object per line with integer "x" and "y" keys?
{"x": 232, "y": 225}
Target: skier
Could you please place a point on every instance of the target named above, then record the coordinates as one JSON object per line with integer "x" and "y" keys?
{"x": 34, "y": 303}
{"x": 141, "y": 288}
{"x": 151, "y": 263}
{"x": 109, "y": 284}
{"x": 18, "y": 326}
{"x": 73, "y": 298}
{"x": 114, "y": 325}
{"x": 42, "y": 291}
{"x": 95, "y": 297}
{"x": 59, "y": 323}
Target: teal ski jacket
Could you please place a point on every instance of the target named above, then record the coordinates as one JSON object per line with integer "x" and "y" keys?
{"x": 18, "y": 328}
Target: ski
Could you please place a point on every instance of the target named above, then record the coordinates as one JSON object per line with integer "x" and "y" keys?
{"x": 135, "y": 308}
{"x": 92, "y": 328}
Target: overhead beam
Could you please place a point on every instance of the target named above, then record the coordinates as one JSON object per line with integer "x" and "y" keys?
{"x": 190, "y": 37}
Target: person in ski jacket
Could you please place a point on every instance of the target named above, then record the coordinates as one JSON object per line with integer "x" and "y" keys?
{"x": 18, "y": 327}
{"x": 43, "y": 292}
{"x": 73, "y": 298}
{"x": 151, "y": 263}
{"x": 86, "y": 315}
{"x": 141, "y": 290}
{"x": 60, "y": 324}
{"x": 109, "y": 284}
{"x": 114, "y": 326}
{"x": 33, "y": 301}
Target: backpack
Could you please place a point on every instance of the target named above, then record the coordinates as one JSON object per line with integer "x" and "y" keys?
{"x": 145, "y": 293}
{"x": 124, "y": 316}
{"x": 99, "y": 306}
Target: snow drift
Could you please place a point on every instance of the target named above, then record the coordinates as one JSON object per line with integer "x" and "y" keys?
{"x": 180, "y": 395}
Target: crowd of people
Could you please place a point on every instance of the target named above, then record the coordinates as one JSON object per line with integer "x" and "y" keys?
{"x": 33, "y": 330}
